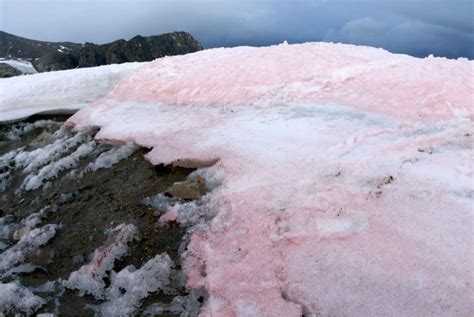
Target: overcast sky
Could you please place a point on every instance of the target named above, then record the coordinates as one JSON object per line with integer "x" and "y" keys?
{"x": 416, "y": 27}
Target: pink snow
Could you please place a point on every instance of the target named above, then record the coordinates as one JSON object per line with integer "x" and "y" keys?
{"x": 348, "y": 185}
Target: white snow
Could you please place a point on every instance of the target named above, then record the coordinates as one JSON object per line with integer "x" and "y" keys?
{"x": 111, "y": 157}
{"x": 185, "y": 306}
{"x": 129, "y": 286}
{"x": 23, "y": 66}
{"x": 31, "y": 161}
{"x": 15, "y": 297}
{"x": 44, "y": 163}
{"x": 28, "y": 244}
{"x": 58, "y": 92}
{"x": 34, "y": 181}
{"x": 89, "y": 278}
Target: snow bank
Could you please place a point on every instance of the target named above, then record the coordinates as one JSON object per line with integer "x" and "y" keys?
{"x": 58, "y": 92}
{"x": 315, "y": 72}
{"x": 22, "y": 65}
{"x": 348, "y": 176}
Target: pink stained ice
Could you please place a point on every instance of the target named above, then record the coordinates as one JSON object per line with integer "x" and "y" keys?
{"x": 348, "y": 175}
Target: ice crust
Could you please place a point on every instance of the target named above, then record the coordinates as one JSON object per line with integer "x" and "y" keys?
{"x": 347, "y": 175}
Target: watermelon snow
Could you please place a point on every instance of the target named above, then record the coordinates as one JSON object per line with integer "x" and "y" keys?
{"x": 346, "y": 175}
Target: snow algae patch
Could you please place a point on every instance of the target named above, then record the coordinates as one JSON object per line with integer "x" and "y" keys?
{"x": 347, "y": 175}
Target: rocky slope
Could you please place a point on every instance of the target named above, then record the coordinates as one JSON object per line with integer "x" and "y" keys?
{"x": 49, "y": 56}
{"x": 17, "y": 47}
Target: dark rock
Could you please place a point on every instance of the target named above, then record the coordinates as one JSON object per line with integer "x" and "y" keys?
{"x": 188, "y": 190}
{"x": 56, "y": 61}
{"x": 142, "y": 49}
{"x": 91, "y": 55}
{"x": 50, "y": 56}
{"x": 176, "y": 43}
{"x": 8, "y": 71}
{"x": 116, "y": 52}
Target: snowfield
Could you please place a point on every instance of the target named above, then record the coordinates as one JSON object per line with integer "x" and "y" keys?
{"x": 58, "y": 92}
{"x": 343, "y": 175}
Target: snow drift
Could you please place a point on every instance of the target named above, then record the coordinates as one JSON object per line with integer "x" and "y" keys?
{"x": 347, "y": 183}
{"x": 24, "y": 66}
{"x": 58, "y": 92}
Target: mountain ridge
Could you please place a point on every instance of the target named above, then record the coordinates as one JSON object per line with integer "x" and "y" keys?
{"x": 14, "y": 46}
{"x": 52, "y": 56}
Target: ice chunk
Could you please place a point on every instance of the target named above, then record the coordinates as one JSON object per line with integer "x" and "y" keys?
{"x": 34, "y": 181}
{"x": 15, "y": 298}
{"x": 28, "y": 244}
{"x": 89, "y": 278}
{"x": 7, "y": 228}
{"x": 30, "y": 161}
{"x": 191, "y": 213}
{"x": 184, "y": 306}
{"x": 113, "y": 156}
{"x": 129, "y": 286}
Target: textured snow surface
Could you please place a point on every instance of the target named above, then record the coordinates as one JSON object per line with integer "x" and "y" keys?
{"x": 58, "y": 92}
{"x": 347, "y": 182}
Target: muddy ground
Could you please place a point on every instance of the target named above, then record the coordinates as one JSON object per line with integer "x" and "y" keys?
{"x": 87, "y": 208}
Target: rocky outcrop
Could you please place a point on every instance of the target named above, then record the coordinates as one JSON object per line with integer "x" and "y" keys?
{"x": 91, "y": 55}
{"x": 8, "y": 71}
{"x": 56, "y": 61}
{"x": 138, "y": 49}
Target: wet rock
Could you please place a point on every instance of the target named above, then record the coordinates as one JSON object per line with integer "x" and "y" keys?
{"x": 188, "y": 190}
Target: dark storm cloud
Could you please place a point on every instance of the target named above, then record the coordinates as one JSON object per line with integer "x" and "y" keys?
{"x": 417, "y": 27}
